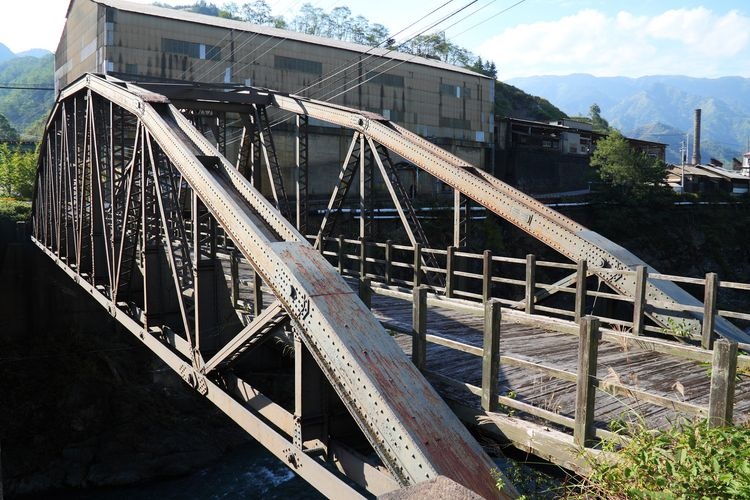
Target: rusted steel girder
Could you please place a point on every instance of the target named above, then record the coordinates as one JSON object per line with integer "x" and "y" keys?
{"x": 170, "y": 178}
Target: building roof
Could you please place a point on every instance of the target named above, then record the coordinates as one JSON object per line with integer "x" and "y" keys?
{"x": 711, "y": 172}
{"x": 192, "y": 17}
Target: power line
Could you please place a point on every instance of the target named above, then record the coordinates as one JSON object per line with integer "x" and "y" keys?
{"x": 24, "y": 87}
{"x": 489, "y": 18}
{"x": 342, "y": 69}
{"x": 328, "y": 96}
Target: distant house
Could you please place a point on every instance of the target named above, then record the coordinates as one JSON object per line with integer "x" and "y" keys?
{"x": 551, "y": 157}
{"x": 708, "y": 179}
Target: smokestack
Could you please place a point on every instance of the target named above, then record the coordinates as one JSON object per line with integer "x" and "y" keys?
{"x": 697, "y": 138}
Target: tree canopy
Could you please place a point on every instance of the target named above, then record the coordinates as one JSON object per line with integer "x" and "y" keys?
{"x": 631, "y": 172}
{"x": 341, "y": 24}
{"x": 17, "y": 171}
{"x": 7, "y": 132}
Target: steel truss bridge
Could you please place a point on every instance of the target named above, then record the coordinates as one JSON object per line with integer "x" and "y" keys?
{"x": 133, "y": 193}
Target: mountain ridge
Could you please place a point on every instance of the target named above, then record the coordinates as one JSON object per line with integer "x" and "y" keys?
{"x": 632, "y": 104}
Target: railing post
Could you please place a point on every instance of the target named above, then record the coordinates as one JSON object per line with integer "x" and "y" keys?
{"x": 362, "y": 257}
{"x": 491, "y": 354}
{"x": 449, "y": 268}
{"x": 388, "y": 261}
{"x": 530, "y": 282}
{"x": 340, "y": 254}
{"x": 417, "y": 265}
{"x": 486, "y": 275}
{"x": 580, "y": 304}
{"x": 365, "y": 291}
{"x": 723, "y": 373}
{"x": 588, "y": 346}
{"x": 639, "y": 299}
{"x": 709, "y": 312}
{"x": 419, "y": 327}
{"x": 257, "y": 294}
{"x": 234, "y": 271}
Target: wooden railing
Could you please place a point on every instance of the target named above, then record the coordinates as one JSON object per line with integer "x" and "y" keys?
{"x": 392, "y": 270}
{"x": 475, "y": 277}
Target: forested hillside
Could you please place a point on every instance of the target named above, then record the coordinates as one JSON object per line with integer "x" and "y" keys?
{"x": 24, "y": 107}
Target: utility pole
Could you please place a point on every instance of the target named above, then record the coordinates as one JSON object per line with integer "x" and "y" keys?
{"x": 683, "y": 153}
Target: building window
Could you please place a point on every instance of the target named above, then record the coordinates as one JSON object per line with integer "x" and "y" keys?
{"x": 455, "y": 123}
{"x": 191, "y": 49}
{"x": 385, "y": 79}
{"x": 131, "y": 69}
{"x": 294, "y": 64}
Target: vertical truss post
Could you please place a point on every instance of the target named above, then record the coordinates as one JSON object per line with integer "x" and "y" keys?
{"x": 207, "y": 320}
{"x": 302, "y": 158}
{"x": 268, "y": 150}
{"x": 457, "y": 236}
{"x": 311, "y": 426}
{"x": 365, "y": 190}
{"x": 257, "y": 293}
{"x": 346, "y": 176}
{"x": 234, "y": 271}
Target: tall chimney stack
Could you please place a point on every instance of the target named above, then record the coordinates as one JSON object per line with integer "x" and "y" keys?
{"x": 697, "y": 138}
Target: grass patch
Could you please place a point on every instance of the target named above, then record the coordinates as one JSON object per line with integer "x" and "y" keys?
{"x": 690, "y": 460}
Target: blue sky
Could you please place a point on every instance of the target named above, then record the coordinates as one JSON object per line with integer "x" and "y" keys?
{"x": 535, "y": 37}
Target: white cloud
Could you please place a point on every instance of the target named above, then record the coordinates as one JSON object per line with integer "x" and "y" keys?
{"x": 697, "y": 42}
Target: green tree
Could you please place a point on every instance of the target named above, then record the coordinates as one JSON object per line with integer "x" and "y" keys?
{"x": 7, "y": 132}
{"x": 630, "y": 172}
{"x": 437, "y": 46}
{"x": 258, "y": 12}
{"x": 17, "y": 171}
{"x": 597, "y": 122}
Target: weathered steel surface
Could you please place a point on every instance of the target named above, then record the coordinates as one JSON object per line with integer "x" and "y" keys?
{"x": 552, "y": 228}
{"x": 409, "y": 426}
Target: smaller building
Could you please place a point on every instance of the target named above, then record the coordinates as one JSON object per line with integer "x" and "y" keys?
{"x": 708, "y": 180}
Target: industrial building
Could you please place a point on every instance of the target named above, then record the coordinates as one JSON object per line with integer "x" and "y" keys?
{"x": 546, "y": 157}
{"x": 451, "y": 106}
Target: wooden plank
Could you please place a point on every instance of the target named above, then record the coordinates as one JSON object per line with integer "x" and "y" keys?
{"x": 450, "y": 268}
{"x": 486, "y": 275}
{"x": 365, "y": 291}
{"x": 491, "y": 355}
{"x": 530, "y": 283}
{"x": 639, "y": 299}
{"x": 419, "y": 327}
{"x": 580, "y": 301}
{"x": 588, "y": 347}
{"x": 709, "y": 313}
{"x": 723, "y": 373}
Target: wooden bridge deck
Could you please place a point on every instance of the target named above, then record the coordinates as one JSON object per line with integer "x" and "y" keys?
{"x": 655, "y": 372}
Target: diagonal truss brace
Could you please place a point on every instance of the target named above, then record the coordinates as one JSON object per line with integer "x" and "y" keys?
{"x": 249, "y": 337}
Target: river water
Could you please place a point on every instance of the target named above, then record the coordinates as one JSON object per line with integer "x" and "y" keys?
{"x": 251, "y": 472}
{"x": 247, "y": 472}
